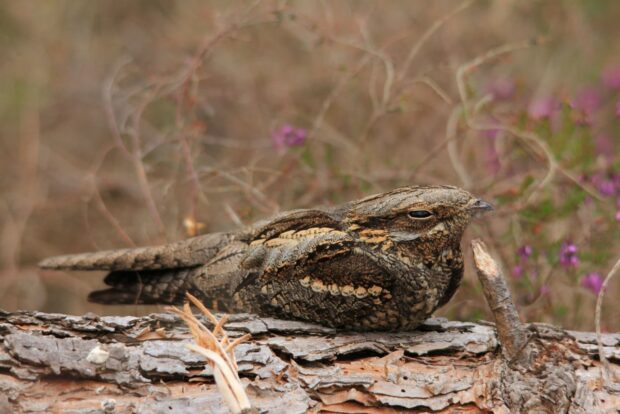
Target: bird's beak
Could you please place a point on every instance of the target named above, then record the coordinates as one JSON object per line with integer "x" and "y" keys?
{"x": 479, "y": 207}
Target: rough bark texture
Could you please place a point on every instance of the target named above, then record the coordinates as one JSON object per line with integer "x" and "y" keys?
{"x": 47, "y": 364}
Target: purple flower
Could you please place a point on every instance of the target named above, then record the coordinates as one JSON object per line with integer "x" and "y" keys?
{"x": 587, "y": 100}
{"x": 618, "y": 109}
{"x": 501, "y": 89}
{"x": 525, "y": 251}
{"x": 611, "y": 77}
{"x": 541, "y": 108}
{"x": 604, "y": 185}
{"x": 618, "y": 215}
{"x": 592, "y": 281}
{"x": 606, "y": 188}
{"x": 568, "y": 255}
{"x": 288, "y": 136}
{"x": 491, "y": 132}
{"x": 517, "y": 271}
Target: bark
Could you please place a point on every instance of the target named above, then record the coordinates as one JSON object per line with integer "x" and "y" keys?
{"x": 47, "y": 364}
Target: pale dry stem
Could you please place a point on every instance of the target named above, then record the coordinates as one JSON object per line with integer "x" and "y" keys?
{"x": 597, "y": 321}
{"x": 218, "y": 352}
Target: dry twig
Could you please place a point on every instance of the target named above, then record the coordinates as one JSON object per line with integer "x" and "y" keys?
{"x": 218, "y": 352}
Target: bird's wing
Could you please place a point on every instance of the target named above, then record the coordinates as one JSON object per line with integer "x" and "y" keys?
{"x": 289, "y": 237}
{"x": 187, "y": 253}
{"x": 295, "y": 220}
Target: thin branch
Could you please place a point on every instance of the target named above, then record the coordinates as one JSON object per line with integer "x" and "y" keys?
{"x": 427, "y": 35}
{"x": 597, "y": 319}
{"x": 453, "y": 153}
{"x": 467, "y": 67}
{"x": 108, "y": 106}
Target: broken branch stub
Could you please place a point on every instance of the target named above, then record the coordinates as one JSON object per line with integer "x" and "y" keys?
{"x": 511, "y": 332}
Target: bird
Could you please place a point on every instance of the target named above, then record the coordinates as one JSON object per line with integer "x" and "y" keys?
{"x": 385, "y": 262}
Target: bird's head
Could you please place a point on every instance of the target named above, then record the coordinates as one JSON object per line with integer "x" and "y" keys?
{"x": 410, "y": 213}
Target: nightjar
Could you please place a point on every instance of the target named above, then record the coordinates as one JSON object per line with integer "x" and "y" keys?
{"x": 384, "y": 262}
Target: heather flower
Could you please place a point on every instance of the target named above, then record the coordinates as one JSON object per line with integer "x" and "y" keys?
{"x": 517, "y": 271}
{"x": 611, "y": 77}
{"x": 541, "y": 108}
{"x": 587, "y": 100}
{"x": 592, "y": 281}
{"x": 525, "y": 251}
{"x": 568, "y": 255}
{"x": 491, "y": 132}
{"x": 618, "y": 109}
{"x": 618, "y": 215}
{"x": 501, "y": 89}
{"x": 604, "y": 185}
{"x": 288, "y": 136}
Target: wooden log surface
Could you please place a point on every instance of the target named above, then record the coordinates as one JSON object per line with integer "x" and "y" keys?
{"x": 90, "y": 364}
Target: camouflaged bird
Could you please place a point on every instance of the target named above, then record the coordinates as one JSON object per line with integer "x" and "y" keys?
{"x": 385, "y": 262}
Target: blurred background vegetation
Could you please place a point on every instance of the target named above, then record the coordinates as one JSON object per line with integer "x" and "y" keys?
{"x": 135, "y": 123}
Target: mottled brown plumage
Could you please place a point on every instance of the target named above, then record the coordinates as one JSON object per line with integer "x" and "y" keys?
{"x": 385, "y": 262}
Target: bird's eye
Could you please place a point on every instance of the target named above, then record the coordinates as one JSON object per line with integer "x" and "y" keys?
{"x": 420, "y": 214}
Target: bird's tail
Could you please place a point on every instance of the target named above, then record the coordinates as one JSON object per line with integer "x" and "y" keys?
{"x": 146, "y": 275}
{"x": 187, "y": 253}
{"x": 166, "y": 286}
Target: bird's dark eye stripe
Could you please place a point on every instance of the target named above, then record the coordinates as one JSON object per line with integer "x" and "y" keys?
{"x": 420, "y": 214}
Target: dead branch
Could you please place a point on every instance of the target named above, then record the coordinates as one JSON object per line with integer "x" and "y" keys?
{"x": 511, "y": 332}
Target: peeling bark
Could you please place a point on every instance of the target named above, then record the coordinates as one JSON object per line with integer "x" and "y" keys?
{"x": 287, "y": 367}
